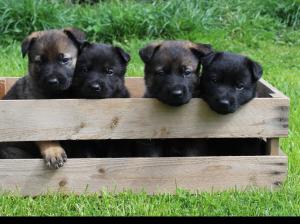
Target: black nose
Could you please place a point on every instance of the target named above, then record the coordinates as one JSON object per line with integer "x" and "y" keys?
{"x": 224, "y": 103}
{"x": 53, "y": 81}
{"x": 177, "y": 93}
{"x": 95, "y": 87}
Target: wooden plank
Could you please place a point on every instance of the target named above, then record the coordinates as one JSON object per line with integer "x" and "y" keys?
{"x": 136, "y": 86}
{"x": 154, "y": 175}
{"x": 137, "y": 118}
{"x": 270, "y": 90}
{"x": 10, "y": 82}
{"x": 273, "y": 146}
{"x": 2, "y": 87}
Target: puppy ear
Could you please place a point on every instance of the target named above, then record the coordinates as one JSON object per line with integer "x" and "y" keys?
{"x": 28, "y": 42}
{"x": 147, "y": 52}
{"x": 255, "y": 69}
{"x": 208, "y": 59}
{"x": 76, "y": 35}
{"x": 85, "y": 44}
{"x": 201, "y": 50}
{"x": 124, "y": 55}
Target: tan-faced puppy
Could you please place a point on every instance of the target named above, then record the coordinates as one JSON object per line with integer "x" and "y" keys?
{"x": 52, "y": 57}
{"x": 172, "y": 76}
{"x": 172, "y": 70}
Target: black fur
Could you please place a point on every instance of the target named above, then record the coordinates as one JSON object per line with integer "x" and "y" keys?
{"x": 228, "y": 81}
{"x": 100, "y": 73}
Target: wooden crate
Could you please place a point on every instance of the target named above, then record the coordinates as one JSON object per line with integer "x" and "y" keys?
{"x": 266, "y": 117}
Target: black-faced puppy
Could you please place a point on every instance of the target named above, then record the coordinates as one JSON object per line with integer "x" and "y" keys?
{"x": 52, "y": 56}
{"x": 172, "y": 70}
{"x": 100, "y": 72}
{"x": 228, "y": 81}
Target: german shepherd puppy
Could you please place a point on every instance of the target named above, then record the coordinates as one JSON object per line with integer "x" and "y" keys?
{"x": 52, "y": 56}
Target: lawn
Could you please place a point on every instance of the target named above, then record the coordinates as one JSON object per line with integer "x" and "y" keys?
{"x": 266, "y": 31}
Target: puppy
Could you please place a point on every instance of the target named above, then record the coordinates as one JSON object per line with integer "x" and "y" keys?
{"x": 172, "y": 76}
{"x": 52, "y": 57}
{"x": 228, "y": 81}
{"x": 100, "y": 73}
{"x": 172, "y": 70}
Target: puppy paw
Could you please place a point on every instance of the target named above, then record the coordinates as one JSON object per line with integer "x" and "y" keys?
{"x": 55, "y": 157}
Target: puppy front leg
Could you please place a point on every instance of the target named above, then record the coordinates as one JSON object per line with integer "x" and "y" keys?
{"x": 54, "y": 155}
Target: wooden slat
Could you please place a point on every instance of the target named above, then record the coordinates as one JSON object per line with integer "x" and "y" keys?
{"x": 136, "y": 86}
{"x": 2, "y": 87}
{"x": 154, "y": 175}
{"x": 33, "y": 120}
{"x": 273, "y": 146}
{"x": 270, "y": 90}
{"x": 10, "y": 81}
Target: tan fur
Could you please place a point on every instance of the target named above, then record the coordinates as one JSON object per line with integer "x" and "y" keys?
{"x": 52, "y": 151}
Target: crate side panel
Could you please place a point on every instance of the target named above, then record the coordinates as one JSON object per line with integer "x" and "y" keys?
{"x": 154, "y": 175}
{"x": 135, "y": 86}
{"x": 33, "y": 120}
{"x": 2, "y": 87}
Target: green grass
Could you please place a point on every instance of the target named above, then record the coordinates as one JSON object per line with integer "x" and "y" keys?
{"x": 267, "y": 31}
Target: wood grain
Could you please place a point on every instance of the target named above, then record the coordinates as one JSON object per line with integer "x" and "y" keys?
{"x": 137, "y": 118}
{"x": 267, "y": 90}
{"x": 2, "y": 87}
{"x": 136, "y": 87}
{"x": 154, "y": 175}
{"x": 273, "y": 146}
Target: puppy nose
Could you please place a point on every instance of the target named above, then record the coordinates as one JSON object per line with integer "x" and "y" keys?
{"x": 53, "y": 81}
{"x": 95, "y": 87}
{"x": 224, "y": 103}
{"x": 177, "y": 93}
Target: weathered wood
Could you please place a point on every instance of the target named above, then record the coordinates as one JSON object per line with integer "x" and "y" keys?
{"x": 2, "y": 87}
{"x": 266, "y": 89}
{"x": 136, "y": 86}
{"x": 273, "y": 146}
{"x": 10, "y": 82}
{"x": 137, "y": 118}
{"x": 154, "y": 175}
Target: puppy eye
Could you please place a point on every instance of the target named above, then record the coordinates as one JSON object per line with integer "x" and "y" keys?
{"x": 159, "y": 72}
{"x": 63, "y": 60}
{"x": 214, "y": 80}
{"x": 240, "y": 86}
{"x": 187, "y": 72}
{"x": 37, "y": 60}
{"x": 109, "y": 71}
